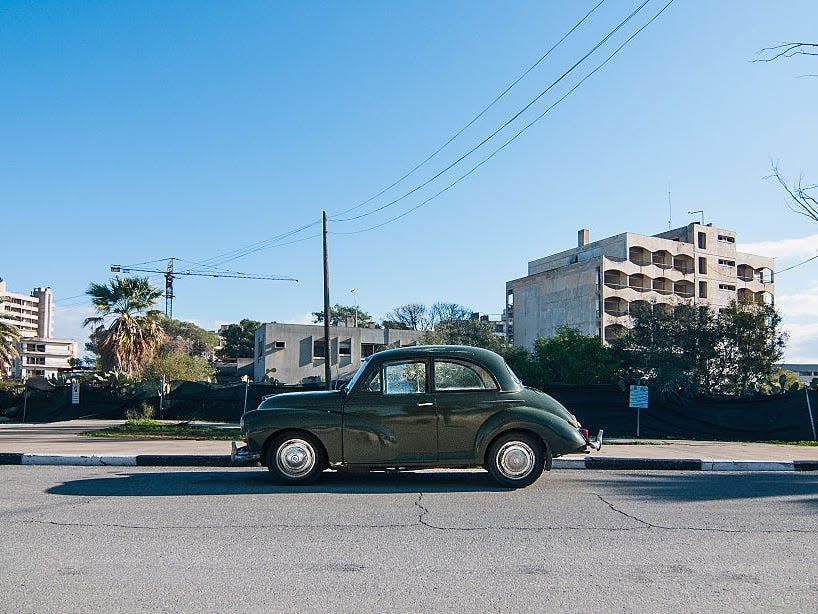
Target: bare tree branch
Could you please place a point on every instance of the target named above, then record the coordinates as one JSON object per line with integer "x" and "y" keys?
{"x": 801, "y": 200}
{"x": 787, "y": 50}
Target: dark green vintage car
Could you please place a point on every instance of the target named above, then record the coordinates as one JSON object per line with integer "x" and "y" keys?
{"x": 411, "y": 408}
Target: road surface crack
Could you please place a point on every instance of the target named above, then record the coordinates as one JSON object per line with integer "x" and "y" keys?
{"x": 650, "y": 525}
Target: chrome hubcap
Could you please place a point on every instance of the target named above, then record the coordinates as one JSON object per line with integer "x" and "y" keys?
{"x": 515, "y": 459}
{"x": 295, "y": 457}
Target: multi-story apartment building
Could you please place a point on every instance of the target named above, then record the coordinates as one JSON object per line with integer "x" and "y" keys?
{"x": 593, "y": 286}
{"x": 40, "y": 353}
{"x": 296, "y": 353}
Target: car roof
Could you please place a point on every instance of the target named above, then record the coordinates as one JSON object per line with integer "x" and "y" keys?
{"x": 488, "y": 359}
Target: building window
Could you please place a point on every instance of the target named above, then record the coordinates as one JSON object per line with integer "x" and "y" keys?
{"x": 319, "y": 349}
{"x": 367, "y": 349}
{"x": 280, "y": 345}
{"x": 727, "y": 239}
{"x": 260, "y": 350}
{"x": 702, "y": 240}
{"x": 702, "y": 266}
{"x": 35, "y": 347}
{"x": 35, "y": 360}
{"x": 728, "y": 287}
{"x": 703, "y": 289}
{"x": 723, "y": 262}
{"x": 345, "y": 348}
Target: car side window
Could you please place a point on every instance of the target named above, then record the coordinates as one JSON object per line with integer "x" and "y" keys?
{"x": 461, "y": 375}
{"x": 405, "y": 377}
{"x": 374, "y": 383}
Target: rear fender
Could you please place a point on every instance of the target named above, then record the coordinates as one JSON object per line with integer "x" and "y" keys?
{"x": 558, "y": 434}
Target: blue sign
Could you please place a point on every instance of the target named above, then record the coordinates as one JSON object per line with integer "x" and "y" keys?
{"x": 639, "y": 397}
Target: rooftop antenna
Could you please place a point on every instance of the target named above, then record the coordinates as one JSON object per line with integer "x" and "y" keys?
{"x": 699, "y": 211}
{"x": 669, "y": 209}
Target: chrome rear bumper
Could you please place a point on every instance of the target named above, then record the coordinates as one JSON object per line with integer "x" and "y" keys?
{"x": 242, "y": 455}
{"x": 596, "y": 444}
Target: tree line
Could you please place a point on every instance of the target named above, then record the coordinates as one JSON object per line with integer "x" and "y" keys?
{"x": 683, "y": 349}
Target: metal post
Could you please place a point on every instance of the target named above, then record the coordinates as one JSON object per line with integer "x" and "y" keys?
{"x": 25, "y": 399}
{"x": 638, "y": 413}
{"x": 162, "y": 399}
{"x": 327, "y": 372}
{"x": 811, "y": 420}
{"x": 246, "y": 389}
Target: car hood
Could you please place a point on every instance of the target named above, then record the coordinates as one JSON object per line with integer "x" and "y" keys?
{"x": 319, "y": 400}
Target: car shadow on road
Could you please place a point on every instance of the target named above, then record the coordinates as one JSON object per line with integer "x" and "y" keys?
{"x": 712, "y": 486}
{"x": 226, "y": 482}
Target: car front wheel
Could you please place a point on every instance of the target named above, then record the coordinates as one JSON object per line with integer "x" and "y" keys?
{"x": 516, "y": 460}
{"x": 295, "y": 458}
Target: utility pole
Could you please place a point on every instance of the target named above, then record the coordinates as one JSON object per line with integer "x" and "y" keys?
{"x": 327, "y": 371}
{"x": 169, "y": 290}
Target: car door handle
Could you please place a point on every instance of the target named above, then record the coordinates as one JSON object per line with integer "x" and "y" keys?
{"x": 425, "y": 404}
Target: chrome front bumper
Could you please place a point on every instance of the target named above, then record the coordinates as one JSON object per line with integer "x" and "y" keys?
{"x": 242, "y": 455}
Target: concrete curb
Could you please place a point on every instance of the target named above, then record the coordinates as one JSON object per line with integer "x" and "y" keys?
{"x": 588, "y": 462}
{"x": 119, "y": 460}
{"x": 681, "y": 464}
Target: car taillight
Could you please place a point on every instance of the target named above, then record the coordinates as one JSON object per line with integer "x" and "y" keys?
{"x": 584, "y": 433}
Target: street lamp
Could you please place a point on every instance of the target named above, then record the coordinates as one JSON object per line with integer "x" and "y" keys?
{"x": 352, "y": 292}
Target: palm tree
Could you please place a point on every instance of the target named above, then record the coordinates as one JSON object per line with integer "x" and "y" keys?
{"x": 126, "y": 328}
{"x": 9, "y": 336}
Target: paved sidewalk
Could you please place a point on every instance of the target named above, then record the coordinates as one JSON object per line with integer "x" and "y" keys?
{"x": 46, "y": 443}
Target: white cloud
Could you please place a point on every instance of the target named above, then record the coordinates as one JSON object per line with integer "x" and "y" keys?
{"x": 785, "y": 248}
{"x": 804, "y": 303}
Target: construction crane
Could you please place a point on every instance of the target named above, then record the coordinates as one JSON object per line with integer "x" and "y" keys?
{"x": 169, "y": 273}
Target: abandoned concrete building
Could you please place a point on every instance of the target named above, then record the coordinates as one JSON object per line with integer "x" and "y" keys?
{"x": 295, "y": 353}
{"x": 593, "y": 286}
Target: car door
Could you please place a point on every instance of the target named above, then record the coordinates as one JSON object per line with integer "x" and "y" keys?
{"x": 389, "y": 417}
{"x": 465, "y": 396}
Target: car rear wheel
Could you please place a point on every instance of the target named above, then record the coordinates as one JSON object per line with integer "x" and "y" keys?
{"x": 516, "y": 460}
{"x": 295, "y": 458}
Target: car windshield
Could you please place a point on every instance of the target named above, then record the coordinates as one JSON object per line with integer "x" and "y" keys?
{"x": 349, "y": 385}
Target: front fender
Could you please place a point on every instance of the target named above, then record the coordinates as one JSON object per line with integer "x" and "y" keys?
{"x": 324, "y": 424}
{"x": 560, "y": 437}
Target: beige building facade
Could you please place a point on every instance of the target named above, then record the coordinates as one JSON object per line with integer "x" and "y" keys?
{"x": 594, "y": 286}
{"x": 296, "y": 353}
{"x": 41, "y": 355}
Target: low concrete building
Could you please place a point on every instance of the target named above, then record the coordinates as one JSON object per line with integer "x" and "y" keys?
{"x": 593, "y": 286}
{"x": 807, "y": 373}
{"x": 43, "y": 357}
{"x": 295, "y": 353}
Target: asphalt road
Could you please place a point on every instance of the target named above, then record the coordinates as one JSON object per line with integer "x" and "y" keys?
{"x": 104, "y": 539}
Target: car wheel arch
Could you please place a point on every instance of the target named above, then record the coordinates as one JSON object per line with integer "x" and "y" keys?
{"x": 295, "y": 432}
{"x": 513, "y": 430}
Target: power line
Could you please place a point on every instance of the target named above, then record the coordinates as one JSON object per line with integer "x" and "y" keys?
{"x": 476, "y": 117}
{"x": 509, "y": 121}
{"x": 241, "y": 252}
{"x": 513, "y": 138}
{"x": 261, "y": 245}
{"x": 789, "y": 268}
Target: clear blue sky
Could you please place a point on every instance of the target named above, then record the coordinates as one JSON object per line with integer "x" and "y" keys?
{"x": 139, "y": 131}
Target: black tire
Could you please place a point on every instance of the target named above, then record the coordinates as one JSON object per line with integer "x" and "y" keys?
{"x": 516, "y": 460}
{"x": 295, "y": 458}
